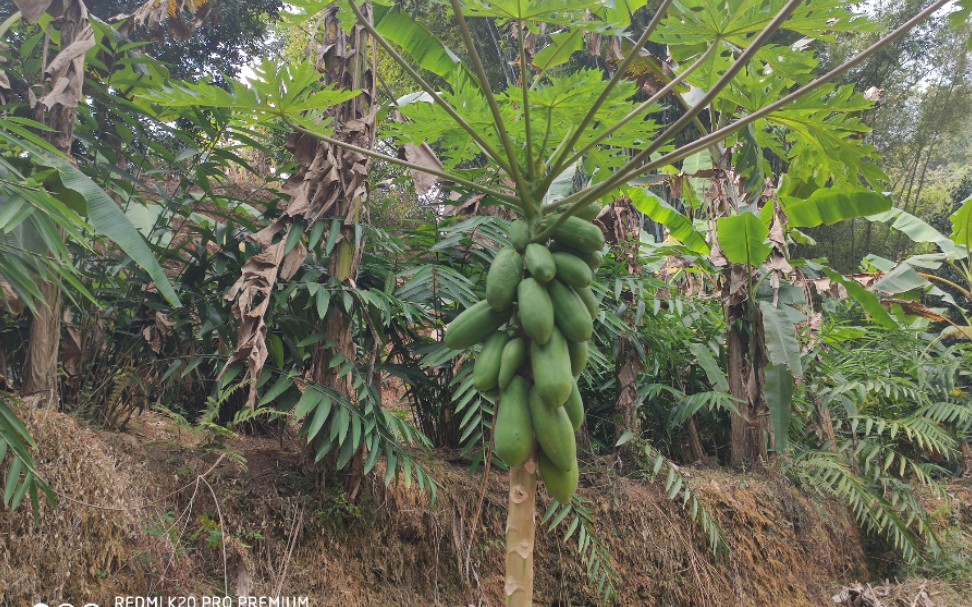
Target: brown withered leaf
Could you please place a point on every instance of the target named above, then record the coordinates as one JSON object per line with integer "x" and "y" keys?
{"x": 156, "y": 332}
{"x": 10, "y": 301}
{"x": 738, "y": 291}
{"x": 915, "y": 308}
{"x": 71, "y": 351}
{"x": 66, "y": 70}
{"x": 31, "y": 10}
{"x": 426, "y": 185}
{"x": 292, "y": 261}
{"x": 252, "y": 293}
{"x": 171, "y": 18}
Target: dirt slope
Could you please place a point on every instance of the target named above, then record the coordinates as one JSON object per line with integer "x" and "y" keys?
{"x": 147, "y": 512}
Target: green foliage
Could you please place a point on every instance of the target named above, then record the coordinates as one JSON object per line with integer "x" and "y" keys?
{"x": 21, "y": 477}
{"x": 743, "y": 239}
{"x": 677, "y": 489}
{"x": 593, "y": 553}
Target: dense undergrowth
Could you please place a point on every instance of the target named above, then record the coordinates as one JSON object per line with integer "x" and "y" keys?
{"x": 193, "y": 294}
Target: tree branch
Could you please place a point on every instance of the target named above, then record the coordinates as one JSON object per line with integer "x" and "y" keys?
{"x": 429, "y": 89}
{"x": 472, "y": 185}
{"x": 558, "y": 165}
{"x": 521, "y": 184}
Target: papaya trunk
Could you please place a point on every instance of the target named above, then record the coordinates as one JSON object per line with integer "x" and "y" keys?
{"x": 521, "y": 528}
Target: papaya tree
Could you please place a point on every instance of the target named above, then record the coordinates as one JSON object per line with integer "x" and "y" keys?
{"x": 510, "y": 144}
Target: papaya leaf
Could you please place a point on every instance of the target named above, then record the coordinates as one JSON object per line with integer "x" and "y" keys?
{"x": 660, "y": 211}
{"x": 743, "y": 239}
{"x": 558, "y": 52}
{"x": 828, "y": 206}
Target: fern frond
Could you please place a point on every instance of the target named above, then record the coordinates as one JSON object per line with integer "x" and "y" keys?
{"x": 593, "y": 553}
{"x": 677, "y": 488}
{"x": 828, "y": 474}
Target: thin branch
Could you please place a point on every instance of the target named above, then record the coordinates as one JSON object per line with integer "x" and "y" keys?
{"x": 409, "y": 165}
{"x": 663, "y": 92}
{"x": 558, "y": 166}
{"x": 956, "y": 286}
{"x": 720, "y": 134}
{"x": 585, "y": 197}
{"x": 429, "y": 89}
{"x": 525, "y": 87}
{"x": 581, "y": 199}
{"x": 521, "y": 185}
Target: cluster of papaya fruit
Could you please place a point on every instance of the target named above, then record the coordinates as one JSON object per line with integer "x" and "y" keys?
{"x": 534, "y": 327}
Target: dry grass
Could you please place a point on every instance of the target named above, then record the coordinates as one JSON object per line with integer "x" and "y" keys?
{"x": 73, "y": 547}
{"x": 285, "y": 532}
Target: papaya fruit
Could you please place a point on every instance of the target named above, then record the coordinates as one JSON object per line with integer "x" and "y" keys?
{"x": 513, "y": 429}
{"x": 487, "y": 367}
{"x": 572, "y": 270}
{"x": 503, "y": 278}
{"x": 590, "y": 301}
{"x": 560, "y": 484}
{"x": 519, "y": 235}
{"x": 536, "y": 310}
{"x": 578, "y": 356}
{"x": 575, "y": 407}
{"x": 514, "y": 355}
{"x": 554, "y": 432}
{"x": 551, "y": 369}
{"x": 590, "y": 212}
{"x": 475, "y": 324}
{"x": 540, "y": 262}
{"x": 570, "y": 314}
{"x": 576, "y": 233}
{"x": 593, "y": 259}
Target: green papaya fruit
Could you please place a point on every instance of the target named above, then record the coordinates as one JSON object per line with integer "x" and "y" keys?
{"x": 514, "y": 355}
{"x": 590, "y": 301}
{"x": 540, "y": 262}
{"x": 513, "y": 429}
{"x": 593, "y": 259}
{"x": 475, "y": 324}
{"x": 579, "y": 234}
{"x": 536, "y": 310}
{"x": 554, "y": 431}
{"x": 519, "y": 235}
{"x": 487, "y": 367}
{"x": 560, "y": 484}
{"x": 570, "y": 314}
{"x": 503, "y": 278}
{"x": 575, "y": 407}
{"x": 590, "y": 212}
{"x": 578, "y": 356}
{"x": 572, "y": 270}
{"x": 551, "y": 369}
